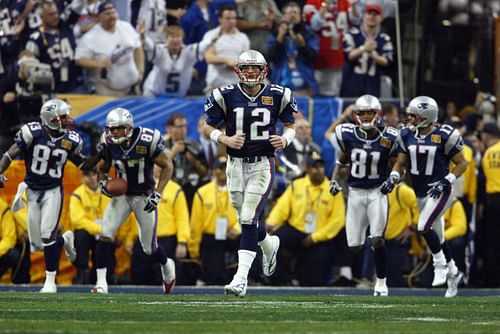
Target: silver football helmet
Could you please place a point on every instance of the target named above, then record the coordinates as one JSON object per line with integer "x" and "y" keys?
{"x": 367, "y": 103}
{"x": 251, "y": 68}
{"x": 116, "y": 118}
{"x": 55, "y": 115}
{"x": 425, "y": 109}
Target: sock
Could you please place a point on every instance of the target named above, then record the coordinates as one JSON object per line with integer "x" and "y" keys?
{"x": 101, "y": 276}
{"x": 104, "y": 254}
{"x": 59, "y": 240}
{"x": 432, "y": 240}
{"x": 261, "y": 230}
{"x": 380, "y": 261}
{"x": 447, "y": 251}
{"x": 50, "y": 278}
{"x": 452, "y": 267}
{"x": 381, "y": 281}
{"x": 266, "y": 245}
{"x": 51, "y": 254}
{"x": 249, "y": 237}
{"x": 346, "y": 272}
{"x": 245, "y": 260}
{"x": 439, "y": 258}
{"x": 160, "y": 255}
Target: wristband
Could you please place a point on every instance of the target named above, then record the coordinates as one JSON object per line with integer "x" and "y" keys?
{"x": 289, "y": 135}
{"x": 395, "y": 175}
{"x": 451, "y": 178}
{"x": 214, "y": 135}
{"x": 6, "y": 154}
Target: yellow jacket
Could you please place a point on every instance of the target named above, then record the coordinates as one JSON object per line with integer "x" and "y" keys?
{"x": 491, "y": 168}
{"x": 469, "y": 175}
{"x": 12, "y": 226}
{"x": 455, "y": 221}
{"x": 86, "y": 207}
{"x": 209, "y": 203}
{"x": 301, "y": 198}
{"x": 403, "y": 210}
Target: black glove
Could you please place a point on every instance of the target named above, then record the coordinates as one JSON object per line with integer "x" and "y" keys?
{"x": 104, "y": 190}
{"x": 438, "y": 187}
{"x": 389, "y": 184}
{"x": 335, "y": 187}
{"x": 152, "y": 201}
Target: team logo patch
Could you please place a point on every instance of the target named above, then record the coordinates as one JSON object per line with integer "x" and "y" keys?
{"x": 66, "y": 144}
{"x": 384, "y": 142}
{"x": 141, "y": 149}
{"x": 293, "y": 104}
{"x": 267, "y": 100}
{"x": 436, "y": 139}
{"x": 208, "y": 104}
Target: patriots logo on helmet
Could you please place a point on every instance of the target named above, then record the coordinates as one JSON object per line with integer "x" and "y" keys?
{"x": 423, "y": 106}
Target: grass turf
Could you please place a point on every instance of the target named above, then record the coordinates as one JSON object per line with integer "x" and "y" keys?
{"x": 129, "y": 313}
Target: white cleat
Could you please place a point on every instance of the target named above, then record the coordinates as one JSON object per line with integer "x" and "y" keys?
{"x": 49, "y": 288}
{"x": 169, "y": 282}
{"x": 453, "y": 283}
{"x": 69, "y": 245}
{"x": 440, "y": 274}
{"x": 381, "y": 288}
{"x": 237, "y": 287}
{"x": 269, "y": 263}
{"x": 101, "y": 288}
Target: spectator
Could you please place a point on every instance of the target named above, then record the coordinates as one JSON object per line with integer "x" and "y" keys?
{"x": 367, "y": 51}
{"x": 305, "y": 218}
{"x": 87, "y": 20}
{"x": 190, "y": 166}
{"x": 173, "y": 65}
{"x": 214, "y": 227}
{"x": 257, "y": 18}
{"x": 491, "y": 163}
{"x": 14, "y": 245}
{"x": 225, "y": 44}
{"x": 211, "y": 150}
{"x": 329, "y": 19}
{"x": 173, "y": 232}
{"x": 292, "y": 51}
{"x": 455, "y": 225}
{"x": 112, "y": 52}
{"x": 53, "y": 43}
{"x": 295, "y": 155}
{"x": 153, "y": 14}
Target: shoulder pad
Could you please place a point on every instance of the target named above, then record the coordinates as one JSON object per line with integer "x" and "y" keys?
{"x": 392, "y": 132}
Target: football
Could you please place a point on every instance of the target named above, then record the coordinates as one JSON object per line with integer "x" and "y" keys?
{"x": 117, "y": 186}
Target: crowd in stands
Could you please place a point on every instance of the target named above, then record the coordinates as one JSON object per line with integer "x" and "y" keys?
{"x": 329, "y": 48}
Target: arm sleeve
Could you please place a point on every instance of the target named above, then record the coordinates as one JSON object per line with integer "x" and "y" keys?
{"x": 9, "y": 237}
{"x": 196, "y": 226}
{"x": 456, "y": 220}
{"x": 281, "y": 211}
{"x": 181, "y": 214}
{"x": 335, "y": 221}
{"x": 80, "y": 220}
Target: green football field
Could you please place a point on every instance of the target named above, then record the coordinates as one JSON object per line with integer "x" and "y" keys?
{"x": 22, "y": 312}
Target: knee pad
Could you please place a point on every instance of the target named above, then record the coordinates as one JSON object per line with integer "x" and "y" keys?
{"x": 378, "y": 242}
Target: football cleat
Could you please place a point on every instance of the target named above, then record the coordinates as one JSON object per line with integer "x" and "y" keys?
{"x": 269, "y": 262}
{"x": 169, "y": 276}
{"x": 69, "y": 245}
{"x": 453, "y": 283}
{"x": 99, "y": 289}
{"x": 48, "y": 288}
{"x": 440, "y": 274}
{"x": 381, "y": 288}
{"x": 237, "y": 287}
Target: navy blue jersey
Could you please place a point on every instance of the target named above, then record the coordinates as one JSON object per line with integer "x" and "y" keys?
{"x": 256, "y": 116}
{"x": 46, "y": 156}
{"x": 56, "y": 48}
{"x": 362, "y": 75}
{"x": 429, "y": 156}
{"x": 135, "y": 163}
{"x": 368, "y": 157}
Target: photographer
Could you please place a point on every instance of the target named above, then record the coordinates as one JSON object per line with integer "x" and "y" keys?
{"x": 190, "y": 165}
{"x": 292, "y": 52}
{"x": 22, "y": 93}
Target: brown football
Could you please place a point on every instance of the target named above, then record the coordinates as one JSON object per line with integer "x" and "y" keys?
{"x": 117, "y": 186}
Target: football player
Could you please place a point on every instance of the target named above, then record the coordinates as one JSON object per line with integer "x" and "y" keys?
{"x": 365, "y": 148}
{"x": 133, "y": 152}
{"x": 250, "y": 110}
{"x": 427, "y": 148}
{"x": 46, "y": 148}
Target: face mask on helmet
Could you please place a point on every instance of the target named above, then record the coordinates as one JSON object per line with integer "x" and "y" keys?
{"x": 367, "y": 112}
{"x": 55, "y": 116}
{"x": 119, "y": 125}
{"x": 251, "y": 68}
{"x": 422, "y": 112}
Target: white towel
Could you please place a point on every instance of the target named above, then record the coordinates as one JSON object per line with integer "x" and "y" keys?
{"x": 17, "y": 203}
